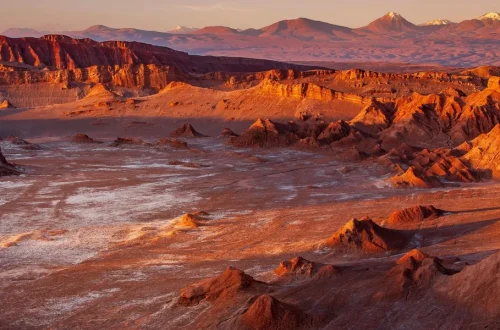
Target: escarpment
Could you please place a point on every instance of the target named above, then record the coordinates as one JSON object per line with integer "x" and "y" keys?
{"x": 63, "y": 52}
{"x": 307, "y": 91}
{"x": 129, "y": 76}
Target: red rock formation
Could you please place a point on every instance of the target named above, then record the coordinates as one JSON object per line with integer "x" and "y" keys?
{"x": 494, "y": 83}
{"x": 100, "y": 91}
{"x": 128, "y": 142}
{"x": 334, "y": 132}
{"x": 426, "y": 167}
{"x": 6, "y": 168}
{"x": 130, "y": 76}
{"x": 265, "y": 133}
{"x": 414, "y": 214}
{"x": 484, "y": 153}
{"x": 187, "y": 221}
{"x": 6, "y": 105}
{"x": 186, "y": 130}
{"x": 422, "y": 118}
{"x": 308, "y": 142}
{"x": 442, "y": 163}
{"x": 84, "y": 138}
{"x": 236, "y": 80}
{"x": 116, "y": 63}
{"x": 411, "y": 178}
{"x": 297, "y": 267}
{"x": 223, "y": 287}
{"x": 307, "y": 91}
{"x": 23, "y": 143}
{"x": 173, "y": 143}
{"x": 435, "y": 120}
{"x": 374, "y": 118}
{"x": 453, "y": 92}
{"x": 228, "y": 133}
{"x": 479, "y": 115}
{"x": 415, "y": 269}
{"x": 304, "y": 90}
{"x": 365, "y": 236}
{"x": 359, "y": 144}
{"x": 268, "y": 313}
{"x": 301, "y": 268}
{"x": 62, "y": 52}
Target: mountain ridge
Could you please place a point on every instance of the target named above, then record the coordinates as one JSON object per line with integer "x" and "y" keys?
{"x": 303, "y": 39}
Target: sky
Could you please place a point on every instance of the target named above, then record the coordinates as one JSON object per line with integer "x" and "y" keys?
{"x": 163, "y": 15}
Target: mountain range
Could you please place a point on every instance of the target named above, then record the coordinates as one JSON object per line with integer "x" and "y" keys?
{"x": 390, "y": 38}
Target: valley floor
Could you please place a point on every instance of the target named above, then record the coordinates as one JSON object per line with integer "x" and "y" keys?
{"x": 89, "y": 236}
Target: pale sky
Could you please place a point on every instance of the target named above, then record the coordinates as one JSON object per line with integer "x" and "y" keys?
{"x": 163, "y": 15}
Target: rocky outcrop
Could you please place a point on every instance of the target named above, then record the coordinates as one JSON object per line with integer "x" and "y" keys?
{"x": 365, "y": 236}
{"x": 480, "y": 114}
{"x": 428, "y": 168}
{"x": 6, "y": 105}
{"x": 300, "y": 268}
{"x": 421, "y": 118}
{"x": 23, "y": 144}
{"x": 187, "y": 221}
{"x": 235, "y": 80}
{"x": 223, "y": 287}
{"x": 308, "y": 143}
{"x": 266, "y": 133}
{"x": 6, "y": 168}
{"x": 414, "y": 214}
{"x": 304, "y": 90}
{"x": 334, "y": 132}
{"x": 442, "y": 163}
{"x": 469, "y": 162}
{"x": 414, "y": 179}
{"x": 228, "y": 133}
{"x": 128, "y": 142}
{"x": 62, "y": 52}
{"x": 58, "y": 59}
{"x": 83, "y": 139}
{"x": 494, "y": 83}
{"x": 172, "y": 143}
{"x": 307, "y": 91}
{"x": 415, "y": 270}
{"x": 268, "y": 313}
{"x": 446, "y": 119}
{"x": 483, "y": 153}
{"x": 186, "y": 130}
{"x": 374, "y": 118}
{"x": 151, "y": 76}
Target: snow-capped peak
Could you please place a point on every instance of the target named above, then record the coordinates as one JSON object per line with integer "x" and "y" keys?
{"x": 393, "y": 15}
{"x": 183, "y": 29}
{"x": 492, "y": 15}
{"x": 439, "y": 21}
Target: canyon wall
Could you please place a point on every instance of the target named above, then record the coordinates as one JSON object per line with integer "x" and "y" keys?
{"x": 62, "y": 52}
{"x": 129, "y": 76}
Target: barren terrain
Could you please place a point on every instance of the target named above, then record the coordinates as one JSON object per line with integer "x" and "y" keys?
{"x": 172, "y": 191}
{"x": 90, "y": 230}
